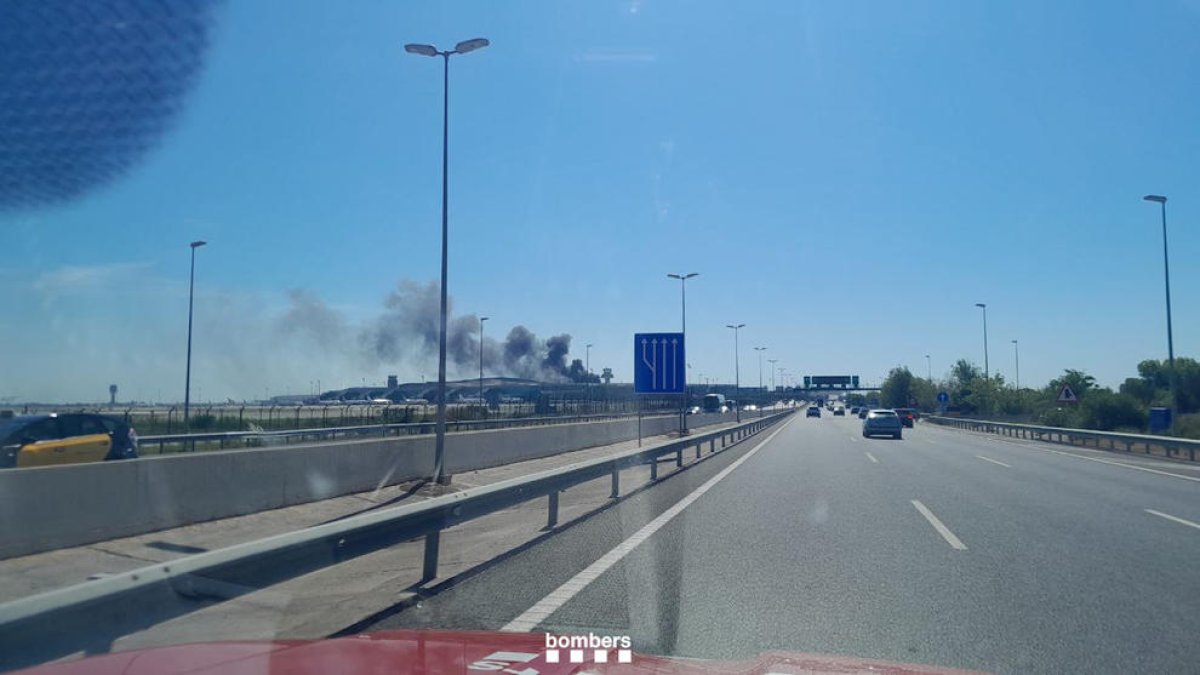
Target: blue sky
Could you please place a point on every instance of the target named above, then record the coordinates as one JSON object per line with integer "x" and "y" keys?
{"x": 848, "y": 178}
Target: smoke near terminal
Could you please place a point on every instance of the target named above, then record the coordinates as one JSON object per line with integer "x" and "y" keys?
{"x": 406, "y": 330}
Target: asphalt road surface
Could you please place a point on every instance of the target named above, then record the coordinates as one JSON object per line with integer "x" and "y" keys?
{"x": 945, "y": 548}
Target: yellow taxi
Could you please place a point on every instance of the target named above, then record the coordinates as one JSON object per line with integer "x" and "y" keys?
{"x": 64, "y": 438}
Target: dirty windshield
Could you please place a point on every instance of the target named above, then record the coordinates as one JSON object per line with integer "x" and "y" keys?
{"x": 565, "y": 336}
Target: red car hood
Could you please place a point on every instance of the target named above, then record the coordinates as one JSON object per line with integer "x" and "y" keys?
{"x": 467, "y": 652}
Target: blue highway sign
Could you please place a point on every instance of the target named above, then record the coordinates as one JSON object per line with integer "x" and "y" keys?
{"x": 659, "y": 366}
{"x": 943, "y": 397}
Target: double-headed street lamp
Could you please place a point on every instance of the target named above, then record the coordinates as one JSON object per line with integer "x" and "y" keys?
{"x": 187, "y": 383}
{"x": 985, "y": 347}
{"x": 683, "y": 278}
{"x": 1162, "y": 202}
{"x": 760, "y": 350}
{"x": 463, "y": 47}
{"x": 737, "y": 372}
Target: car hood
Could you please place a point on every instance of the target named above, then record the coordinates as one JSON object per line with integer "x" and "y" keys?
{"x": 412, "y": 651}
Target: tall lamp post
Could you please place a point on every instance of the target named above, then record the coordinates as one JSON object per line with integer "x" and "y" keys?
{"x": 587, "y": 368}
{"x": 985, "y": 347}
{"x": 683, "y": 278}
{"x": 1017, "y": 363}
{"x": 772, "y": 362}
{"x": 187, "y": 382}
{"x": 929, "y": 368}
{"x": 760, "y": 350}
{"x": 481, "y": 402}
{"x": 464, "y": 47}
{"x": 1162, "y": 202}
{"x": 737, "y": 372}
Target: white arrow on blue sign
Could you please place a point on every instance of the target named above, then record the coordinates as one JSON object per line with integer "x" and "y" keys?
{"x": 659, "y": 364}
{"x": 943, "y": 397}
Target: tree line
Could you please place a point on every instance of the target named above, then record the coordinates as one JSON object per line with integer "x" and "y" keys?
{"x": 1125, "y": 409}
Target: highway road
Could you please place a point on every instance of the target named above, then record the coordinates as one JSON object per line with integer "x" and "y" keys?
{"x": 945, "y": 548}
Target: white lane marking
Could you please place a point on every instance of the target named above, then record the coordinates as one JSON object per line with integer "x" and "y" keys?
{"x": 872, "y": 458}
{"x": 530, "y": 618}
{"x": 1109, "y": 461}
{"x": 932, "y": 441}
{"x": 954, "y": 541}
{"x": 1030, "y": 445}
{"x": 1181, "y": 521}
{"x": 993, "y": 461}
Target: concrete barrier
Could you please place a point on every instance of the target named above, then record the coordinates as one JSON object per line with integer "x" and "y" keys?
{"x": 53, "y": 507}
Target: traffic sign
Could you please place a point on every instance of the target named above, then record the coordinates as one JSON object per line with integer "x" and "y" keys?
{"x": 943, "y": 397}
{"x": 659, "y": 365}
{"x": 1067, "y": 395}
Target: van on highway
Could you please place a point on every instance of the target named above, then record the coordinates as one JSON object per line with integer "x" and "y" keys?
{"x": 714, "y": 403}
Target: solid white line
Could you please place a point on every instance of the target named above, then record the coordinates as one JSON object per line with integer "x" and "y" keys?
{"x": 872, "y": 458}
{"x": 954, "y": 541}
{"x": 1030, "y": 445}
{"x": 1168, "y": 516}
{"x": 540, "y": 611}
{"x": 1109, "y": 461}
{"x": 989, "y": 459}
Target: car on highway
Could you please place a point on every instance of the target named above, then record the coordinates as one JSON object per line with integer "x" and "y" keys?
{"x": 69, "y": 438}
{"x": 839, "y": 411}
{"x": 862, "y": 413}
{"x": 813, "y": 411}
{"x": 908, "y": 416}
{"x": 694, "y": 410}
{"x": 881, "y": 422}
{"x": 854, "y": 410}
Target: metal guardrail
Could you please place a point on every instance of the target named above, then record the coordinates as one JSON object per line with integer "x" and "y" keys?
{"x": 91, "y": 616}
{"x": 1170, "y": 444}
{"x": 247, "y": 439}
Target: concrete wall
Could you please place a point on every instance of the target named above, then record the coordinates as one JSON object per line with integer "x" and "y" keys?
{"x": 53, "y": 507}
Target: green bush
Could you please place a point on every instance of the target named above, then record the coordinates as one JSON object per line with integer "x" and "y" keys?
{"x": 1103, "y": 410}
{"x": 1188, "y": 426}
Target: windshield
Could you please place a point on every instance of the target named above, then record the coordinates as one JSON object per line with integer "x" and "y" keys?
{"x": 524, "y": 318}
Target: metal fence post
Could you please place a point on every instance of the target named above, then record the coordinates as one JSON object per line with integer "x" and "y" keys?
{"x": 679, "y": 457}
{"x": 429, "y": 569}
{"x": 552, "y": 519}
{"x": 653, "y": 468}
{"x": 616, "y": 483}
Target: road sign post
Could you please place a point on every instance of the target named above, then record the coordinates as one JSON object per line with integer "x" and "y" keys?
{"x": 1067, "y": 395}
{"x": 660, "y": 367}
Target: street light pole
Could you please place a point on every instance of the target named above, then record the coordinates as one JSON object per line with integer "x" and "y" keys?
{"x": 463, "y": 47}
{"x": 929, "y": 368}
{"x": 1162, "y": 202}
{"x": 1017, "y": 362}
{"x": 760, "y": 350}
{"x": 187, "y": 384}
{"x": 985, "y": 347}
{"x": 737, "y": 372}
{"x": 587, "y": 367}
{"x": 683, "y": 278}
{"x": 481, "y": 402}
{"x": 772, "y": 362}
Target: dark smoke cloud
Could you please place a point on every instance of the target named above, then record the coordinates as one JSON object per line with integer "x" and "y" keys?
{"x": 557, "y": 349}
{"x": 407, "y": 330}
